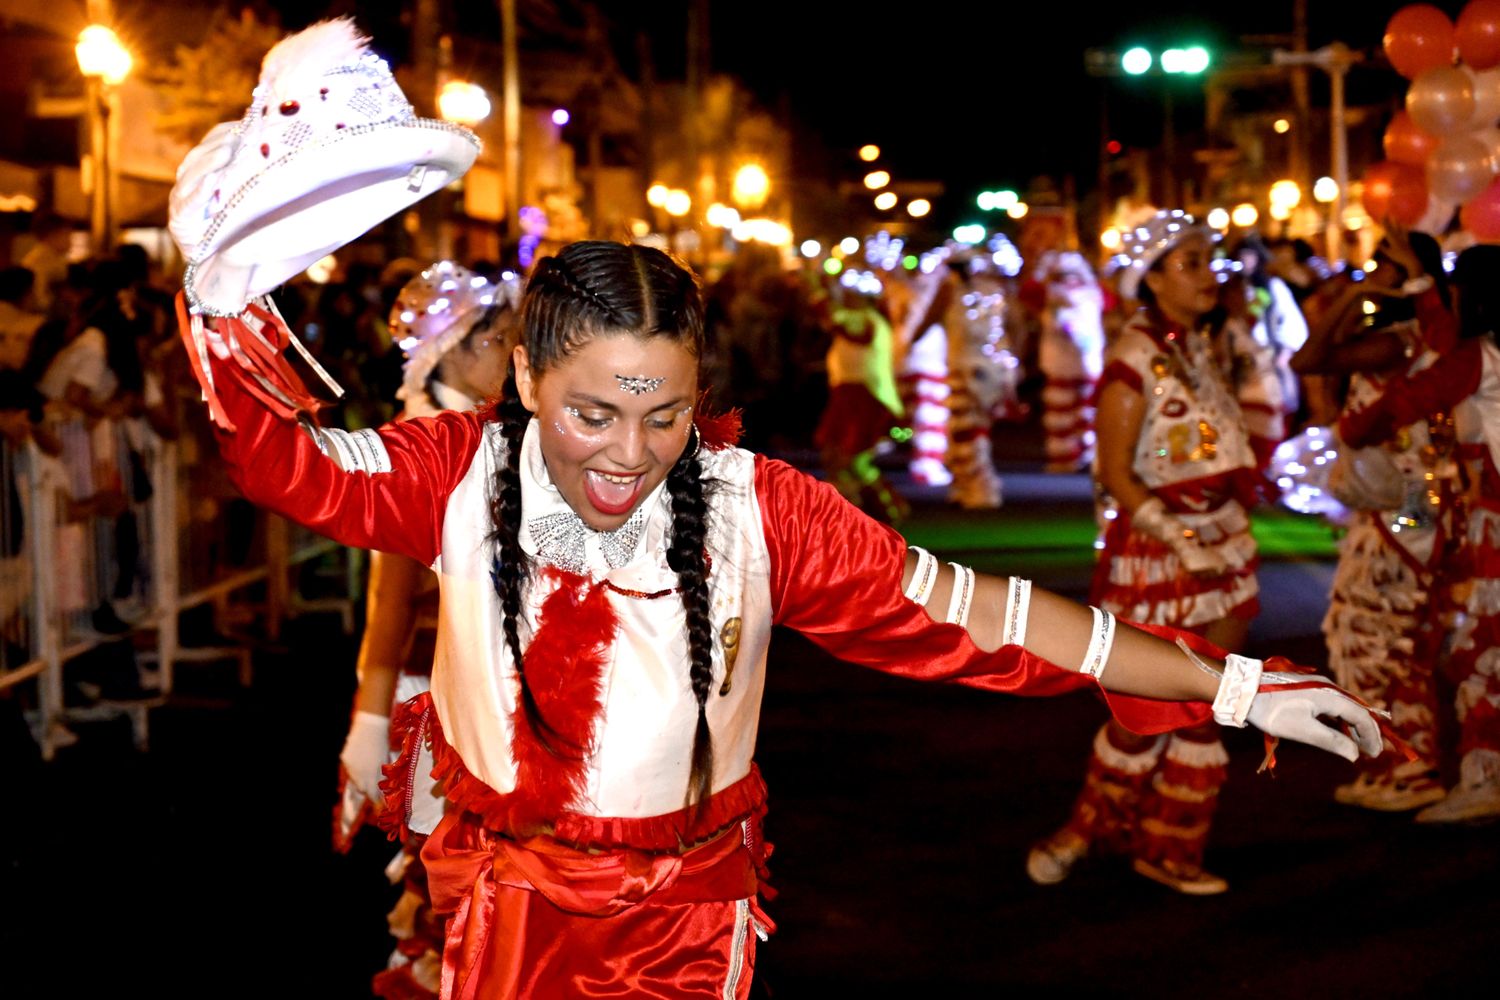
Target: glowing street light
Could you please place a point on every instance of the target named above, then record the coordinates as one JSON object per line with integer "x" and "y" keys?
{"x": 102, "y": 55}
{"x": 463, "y": 102}
{"x": 678, "y": 203}
{"x": 1187, "y": 62}
{"x": 1018, "y": 210}
{"x": 722, "y": 216}
{"x": 1282, "y": 126}
{"x": 1136, "y": 61}
{"x": 849, "y": 244}
{"x": 1006, "y": 199}
{"x": 886, "y": 200}
{"x": 811, "y": 248}
{"x": 104, "y": 63}
{"x": 1325, "y": 190}
{"x": 986, "y": 201}
{"x": 1218, "y": 218}
{"x": 751, "y": 186}
{"x": 1110, "y": 239}
{"x": 877, "y": 179}
{"x": 971, "y": 233}
{"x": 869, "y": 153}
{"x": 1244, "y": 215}
{"x": 560, "y": 117}
{"x": 656, "y": 195}
{"x": 1286, "y": 192}
{"x": 918, "y": 208}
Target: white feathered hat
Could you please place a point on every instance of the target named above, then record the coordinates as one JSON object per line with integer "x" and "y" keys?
{"x": 328, "y": 149}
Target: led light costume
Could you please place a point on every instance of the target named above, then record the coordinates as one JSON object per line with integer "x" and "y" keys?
{"x": 1466, "y": 382}
{"x": 1383, "y": 625}
{"x": 1184, "y": 557}
{"x": 1070, "y": 354}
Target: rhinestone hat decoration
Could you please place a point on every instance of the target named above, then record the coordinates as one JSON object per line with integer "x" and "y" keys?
{"x": 638, "y": 384}
{"x": 1150, "y": 241}
{"x": 435, "y": 312}
{"x": 318, "y": 89}
{"x": 562, "y": 540}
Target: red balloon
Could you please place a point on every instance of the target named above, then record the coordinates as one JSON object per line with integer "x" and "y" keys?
{"x": 1419, "y": 38}
{"x": 1395, "y": 190}
{"x": 1478, "y": 34}
{"x": 1405, "y": 143}
{"x": 1481, "y": 216}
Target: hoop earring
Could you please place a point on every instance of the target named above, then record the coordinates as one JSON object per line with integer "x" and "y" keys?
{"x": 690, "y": 453}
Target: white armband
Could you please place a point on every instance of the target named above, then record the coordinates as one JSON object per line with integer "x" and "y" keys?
{"x": 1017, "y": 609}
{"x": 361, "y": 451}
{"x": 962, "y": 597}
{"x": 1100, "y": 643}
{"x": 920, "y": 587}
{"x": 1237, "y": 689}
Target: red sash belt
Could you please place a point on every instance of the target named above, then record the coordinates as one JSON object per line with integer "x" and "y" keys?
{"x": 489, "y": 882}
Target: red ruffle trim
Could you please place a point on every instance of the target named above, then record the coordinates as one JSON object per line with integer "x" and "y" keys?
{"x": 415, "y": 722}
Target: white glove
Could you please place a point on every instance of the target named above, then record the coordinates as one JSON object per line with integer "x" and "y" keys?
{"x": 366, "y": 751}
{"x": 1154, "y": 520}
{"x": 1293, "y": 713}
{"x": 1298, "y": 714}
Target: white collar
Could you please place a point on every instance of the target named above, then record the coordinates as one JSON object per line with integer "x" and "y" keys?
{"x": 553, "y": 533}
{"x": 449, "y": 398}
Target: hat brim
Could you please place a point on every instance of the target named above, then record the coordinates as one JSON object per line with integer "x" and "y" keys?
{"x": 316, "y": 199}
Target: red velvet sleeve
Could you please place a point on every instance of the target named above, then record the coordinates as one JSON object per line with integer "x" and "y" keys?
{"x": 1436, "y": 321}
{"x": 1409, "y": 398}
{"x": 836, "y": 578}
{"x": 277, "y": 465}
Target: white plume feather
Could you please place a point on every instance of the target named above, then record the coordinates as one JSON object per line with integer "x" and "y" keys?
{"x": 296, "y": 64}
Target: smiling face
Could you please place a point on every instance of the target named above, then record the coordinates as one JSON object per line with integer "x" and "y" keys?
{"x": 1183, "y": 281}
{"x": 614, "y": 416}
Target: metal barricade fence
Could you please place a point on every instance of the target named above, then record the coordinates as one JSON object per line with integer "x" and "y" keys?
{"x": 111, "y": 541}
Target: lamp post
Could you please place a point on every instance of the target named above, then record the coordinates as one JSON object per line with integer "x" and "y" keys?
{"x": 105, "y": 63}
{"x": 1335, "y": 60}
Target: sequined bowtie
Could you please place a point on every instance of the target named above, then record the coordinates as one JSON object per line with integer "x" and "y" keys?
{"x": 562, "y": 540}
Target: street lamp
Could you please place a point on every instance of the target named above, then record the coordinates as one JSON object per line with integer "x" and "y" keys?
{"x": 678, "y": 203}
{"x": 1325, "y": 190}
{"x": 919, "y": 208}
{"x": 886, "y": 200}
{"x": 751, "y": 186}
{"x": 869, "y": 153}
{"x": 656, "y": 195}
{"x": 877, "y": 179}
{"x": 463, "y": 102}
{"x": 105, "y": 63}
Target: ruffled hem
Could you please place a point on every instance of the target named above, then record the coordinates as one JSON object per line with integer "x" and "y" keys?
{"x": 415, "y": 722}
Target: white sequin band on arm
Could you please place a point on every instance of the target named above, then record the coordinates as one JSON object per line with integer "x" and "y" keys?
{"x": 962, "y": 597}
{"x": 1017, "y": 608}
{"x": 361, "y": 451}
{"x": 1100, "y": 642}
{"x": 920, "y": 587}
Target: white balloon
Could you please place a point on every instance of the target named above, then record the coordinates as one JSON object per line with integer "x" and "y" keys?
{"x": 1434, "y": 222}
{"x": 1486, "y": 96}
{"x": 1461, "y": 167}
{"x": 1441, "y": 100}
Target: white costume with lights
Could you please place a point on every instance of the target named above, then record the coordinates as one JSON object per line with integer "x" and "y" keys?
{"x": 1071, "y": 356}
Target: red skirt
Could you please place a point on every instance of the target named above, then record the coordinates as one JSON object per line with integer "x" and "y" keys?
{"x": 853, "y": 422}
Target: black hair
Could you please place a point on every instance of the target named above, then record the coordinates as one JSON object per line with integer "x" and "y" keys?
{"x": 1476, "y": 273}
{"x": 588, "y": 289}
{"x": 15, "y": 282}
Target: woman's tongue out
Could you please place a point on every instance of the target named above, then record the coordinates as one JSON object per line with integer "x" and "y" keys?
{"x": 610, "y": 493}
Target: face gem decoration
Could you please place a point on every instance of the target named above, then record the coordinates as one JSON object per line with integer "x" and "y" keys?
{"x": 638, "y": 384}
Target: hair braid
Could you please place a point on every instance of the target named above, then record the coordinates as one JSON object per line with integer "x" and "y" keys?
{"x": 511, "y": 566}
{"x": 687, "y": 557}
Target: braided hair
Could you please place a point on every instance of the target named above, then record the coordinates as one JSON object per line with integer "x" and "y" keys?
{"x": 589, "y": 289}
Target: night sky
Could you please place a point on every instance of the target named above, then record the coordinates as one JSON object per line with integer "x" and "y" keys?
{"x": 974, "y": 95}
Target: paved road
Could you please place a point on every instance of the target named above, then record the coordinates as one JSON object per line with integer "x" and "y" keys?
{"x": 901, "y": 813}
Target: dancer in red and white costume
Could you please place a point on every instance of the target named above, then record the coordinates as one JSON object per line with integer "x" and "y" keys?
{"x": 456, "y": 330}
{"x": 1466, "y": 382}
{"x": 1070, "y": 354}
{"x": 1383, "y": 624}
{"x": 1176, "y": 463}
{"x": 610, "y": 571}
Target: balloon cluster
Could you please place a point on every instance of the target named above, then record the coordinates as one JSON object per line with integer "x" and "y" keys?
{"x": 1443, "y": 151}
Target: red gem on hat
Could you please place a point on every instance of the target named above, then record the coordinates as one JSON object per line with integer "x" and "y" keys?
{"x": 290, "y": 107}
